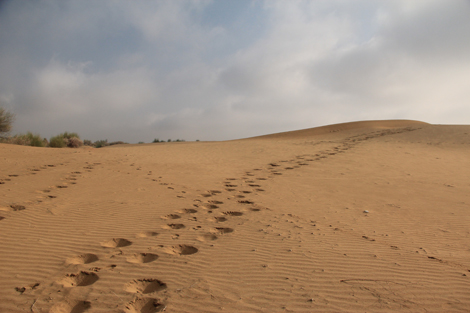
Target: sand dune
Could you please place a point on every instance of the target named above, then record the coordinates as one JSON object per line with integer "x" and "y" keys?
{"x": 357, "y": 217}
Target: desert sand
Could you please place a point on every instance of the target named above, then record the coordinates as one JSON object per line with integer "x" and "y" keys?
{"x": 358, "y": 217}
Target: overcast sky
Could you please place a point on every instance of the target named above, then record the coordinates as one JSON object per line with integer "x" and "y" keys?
{"x": 227, "y": 69}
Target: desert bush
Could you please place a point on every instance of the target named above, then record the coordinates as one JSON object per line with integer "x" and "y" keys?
{"x": 6, "y": 120}
{"x": 66, "y": 139}
{"x": 28, "y": 139}
{"x": 101, "y": 143}
{"x": 35, "y": 140}
{"x": 117, "y": 143}
{"x": 87, "y": 142}
{"x": 73, "y": 142}
{"x": 156, "y": 140}
{"x": 57, "y": 142}
{"x": 69, "y": 135}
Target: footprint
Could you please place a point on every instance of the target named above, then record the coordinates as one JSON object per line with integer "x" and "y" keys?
{"x": 82, "y": 259}
{"x": 27, "y": 288}
{"x": 261, "y": 178}
{"x": 259, "y": 189}
{"x": 142, "y": 258}
{"x": 174, "y": 226}
{"x": 171, "y": 216}
{"x": 218, "y": 219}
{"x": 207, "y": 237}
{"x": 71, "y": 306}
{"x": 80, "y": 279}
{"x": 206, "y": 195}
{"x": 146, "y": 234}
{"x": 189, "y": 211}
{"x": 61, "y": 186}
{"x": 245, "y": 201}
{"x": 233, "y": 213}
{"x": 181, "y": 250}
{"x": 1, "y": 218}
{"x": 255, "y": 209}
{"x": 215, "y": 192}
{"x": 215, "y": 202}
{"x": 209, "y": 206}
{"x": 230, "y": 179}
{"x": 13, "y": 175}
{"x": 13, "y": 207}
{"x": 274, "y": 164}
{"x": 144, "y": 305}
{"x": 145, "y": 286}
{"x": 116, "y": 243}
{"x": 230, "y": 189}
{"x": 245, "y": 191}
{"x": 254, "y": 185}
{"x": 230, "y": 185}
{"x": 222, "y": 230}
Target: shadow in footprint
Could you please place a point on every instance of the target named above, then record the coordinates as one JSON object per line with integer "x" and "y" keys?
{"x": 73, "y": 306}
{"x": 181, "y": 250}
{"x": 116, "y": 243}
{"x": 207, "y": 237}
{"x": 222, "y": 230}
{"x": 233, "y": 213}
{"x": 144, "y": 305}
{"x": 142, "y": 258}
{"x": 171, "y": 216}
{"x": 80, "y": 279}
{"x": 146, "y": 234}
{"x": 85, "y": 258}
{"x": 145, "y": 286}
{"x": 174, "y": 226}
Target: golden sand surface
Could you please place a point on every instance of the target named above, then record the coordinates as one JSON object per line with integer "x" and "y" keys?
{"x": 358, "y": 217}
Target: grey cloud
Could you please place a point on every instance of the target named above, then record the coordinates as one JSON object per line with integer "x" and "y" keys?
{"x": 141, "y": 70}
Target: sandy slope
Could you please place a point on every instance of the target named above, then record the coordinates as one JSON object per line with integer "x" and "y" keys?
{"x": 275, "y": 223}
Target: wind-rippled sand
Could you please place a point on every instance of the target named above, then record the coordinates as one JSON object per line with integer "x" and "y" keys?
{"x": 358, "y": 217}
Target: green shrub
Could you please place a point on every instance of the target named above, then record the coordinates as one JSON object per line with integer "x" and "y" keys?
{"x": 71, "y": 140}
{"x": 35, "y": 140}
{"x": 156, "y": 140}
{"x": 87, "y": 142}
{"x": 101, "y": 143}
{"x": 117, "y": 143}
{"x": 28, "y": 139}
{"x": 57, "y": 142}
{"x": 70, "y": 135}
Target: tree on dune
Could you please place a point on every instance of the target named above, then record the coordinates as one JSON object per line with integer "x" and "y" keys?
{"x": 6, "y": 119}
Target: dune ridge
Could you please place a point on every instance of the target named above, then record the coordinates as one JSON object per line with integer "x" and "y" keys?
{"x": 366, "y": 216}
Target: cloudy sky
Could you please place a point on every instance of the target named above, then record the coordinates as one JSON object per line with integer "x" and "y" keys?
{"x": 227, "y": 69}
